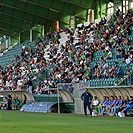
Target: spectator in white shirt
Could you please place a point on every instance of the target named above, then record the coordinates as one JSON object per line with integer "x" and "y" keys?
{"x": 95, "y": 104}
{"x": 109, "y": 56}
{"x": 23, "y": 47}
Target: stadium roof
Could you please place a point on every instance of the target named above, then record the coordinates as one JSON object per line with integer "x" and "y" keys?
{"x": 18, "y": 15}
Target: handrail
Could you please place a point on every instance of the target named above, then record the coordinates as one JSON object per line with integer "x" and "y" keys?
{"x": 124, "y": 78}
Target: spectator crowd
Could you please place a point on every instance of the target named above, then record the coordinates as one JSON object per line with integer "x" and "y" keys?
{"x": 71, "y": 61}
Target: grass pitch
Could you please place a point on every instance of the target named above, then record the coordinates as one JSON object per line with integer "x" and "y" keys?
{"x": 24, "y": 122}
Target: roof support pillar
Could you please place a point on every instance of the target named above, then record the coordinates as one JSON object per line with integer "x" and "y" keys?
{"x": 91, "y": 16}
{"x": 7, "y": 43}
{"x": 72, "y": 22}
{"x": 19, "y": 37}
{"x": 43, "y": 31}
{"x": 31, "y": 35}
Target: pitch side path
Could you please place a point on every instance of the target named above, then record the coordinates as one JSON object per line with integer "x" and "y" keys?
{"x": 24, "y": 122}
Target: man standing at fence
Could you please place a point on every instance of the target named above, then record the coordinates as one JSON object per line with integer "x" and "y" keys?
{"x": 30, "y": 84}
{"x": 9, "y": 101}
{"x": 86, "y": 97}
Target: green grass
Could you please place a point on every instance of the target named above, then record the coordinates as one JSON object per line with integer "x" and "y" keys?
{"x": 24, "y": 122}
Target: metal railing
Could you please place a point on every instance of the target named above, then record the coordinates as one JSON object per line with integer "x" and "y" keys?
{"x": 127, "y": 80}
{"x": 122, "y": 79}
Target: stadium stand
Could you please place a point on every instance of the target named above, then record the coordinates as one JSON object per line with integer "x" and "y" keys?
{"x": 99, "y": 54}
{"x": 75, "y": 57}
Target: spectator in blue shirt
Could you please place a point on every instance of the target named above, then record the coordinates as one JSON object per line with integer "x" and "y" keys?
{"x": 116, "y": 105}
{"x": 118, "y": 70}
{"x": 124, "y": 103}
{"x": 86, "y": 97}
{"x": 106, "y": 103}
{"x": 129, "y": 105}
{"x": 110, "y": 104}
{"x": 82, "y": 26}
{"x": 101, "y": 105}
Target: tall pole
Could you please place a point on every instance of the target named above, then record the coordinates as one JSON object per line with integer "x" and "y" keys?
{"x": 58, "y": 99}
{"x": 48, "y": 100}
{"x": 125, "y": 7}
{"x": 122, "y": 7}
{"x": 43, "y": 30}
{"x": 31, "y": 35}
